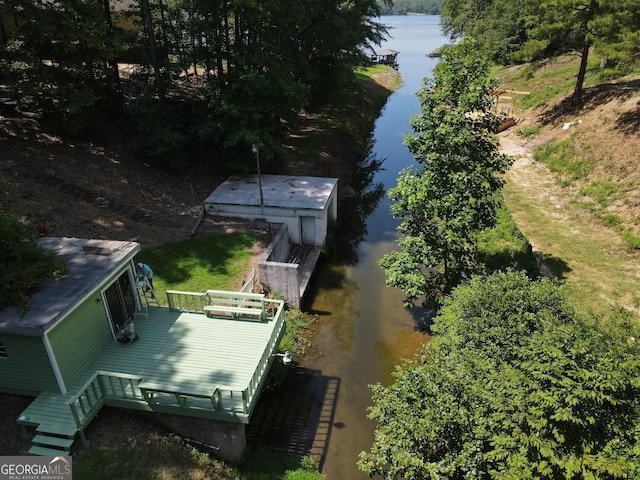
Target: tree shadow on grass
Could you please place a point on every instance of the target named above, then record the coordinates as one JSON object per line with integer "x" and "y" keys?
{"x": 174, "y": 261}
{"x": 552, "y": 267}
{"x": 593, "y": 97}
{"x": 629, "y": 122}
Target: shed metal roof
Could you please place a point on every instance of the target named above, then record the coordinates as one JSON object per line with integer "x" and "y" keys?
{"x": 283, "y": 191}
{"x": 386, "y": 53}
{"x": 88, "y": 262}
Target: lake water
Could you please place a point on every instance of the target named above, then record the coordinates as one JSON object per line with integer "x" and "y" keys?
{"x": 362, "y": 329}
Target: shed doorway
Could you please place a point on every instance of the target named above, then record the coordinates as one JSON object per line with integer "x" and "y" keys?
{"x": 119, "y": 299}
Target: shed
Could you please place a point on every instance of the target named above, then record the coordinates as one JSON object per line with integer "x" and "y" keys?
{"x": 304, "y": 204}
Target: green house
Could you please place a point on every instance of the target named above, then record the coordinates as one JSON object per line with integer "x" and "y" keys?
{"x": 198, "y": 367}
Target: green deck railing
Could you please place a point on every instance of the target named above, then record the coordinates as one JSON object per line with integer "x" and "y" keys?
{"x": 90, "y": 398}
{"x": 249, "y": 395}
{"x": 221, "y": 301}
{"x": 222, "y": 399}
{"x": 186, "y": 301}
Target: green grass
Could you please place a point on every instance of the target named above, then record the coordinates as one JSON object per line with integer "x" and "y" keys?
{"x": 265, "y": 465}
{"x": 365, "y": 74}
{"x": 560, "y": 157}
{"x": 504, "y": 246}
{"x": 539, "y": 97}
{"x": 602, "y": 192}
{"x": 546, "y": 81}
{"x": 199, "y": 264}
{"x": 528, "y": 131}
{"x": 631, "y": 239}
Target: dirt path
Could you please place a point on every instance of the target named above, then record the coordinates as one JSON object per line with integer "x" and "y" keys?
{"x": 571, "y": 243}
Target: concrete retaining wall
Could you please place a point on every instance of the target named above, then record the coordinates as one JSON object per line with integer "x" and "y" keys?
{"x": 227, "y": 438}
{"x": 280, "y": 246}
{"x": 276, "y": 274}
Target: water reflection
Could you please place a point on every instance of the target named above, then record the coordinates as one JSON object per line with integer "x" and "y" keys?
{"x": 356, "y": 204}
{"x": 362, "y": 330}
{"x": 368, "y": 331}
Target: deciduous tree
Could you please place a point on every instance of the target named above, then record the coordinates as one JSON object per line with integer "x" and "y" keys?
{"x": 545, "y": 395}
{"x": 452, "y": 195}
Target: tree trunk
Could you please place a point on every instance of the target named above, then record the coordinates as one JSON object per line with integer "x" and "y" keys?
{"x": 113, "y": 62}
{"x": 146, "y": 14}
{"x": 589, "y": 14}
{"x": 165, "y": 38}
{"x": 577, "y": 93}
{"x": 4, "y": 37}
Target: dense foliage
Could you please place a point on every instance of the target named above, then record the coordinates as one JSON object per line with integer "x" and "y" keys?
{"x": 243, "y": 68}
{"x": 452, "y": 196}
{"x": 23, "y": 264}
{"x": 409, "y": 7}
{"x": 513, "y": 387}
{"x": 533, "y": 29}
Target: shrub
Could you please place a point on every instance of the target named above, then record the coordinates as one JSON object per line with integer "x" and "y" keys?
{"x": 23, "y": 264}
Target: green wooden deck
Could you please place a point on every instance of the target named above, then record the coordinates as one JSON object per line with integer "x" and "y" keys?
{"x": 184, "y": 363}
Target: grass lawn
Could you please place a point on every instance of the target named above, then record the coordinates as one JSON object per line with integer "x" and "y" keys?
{"x": 200, "y": 264}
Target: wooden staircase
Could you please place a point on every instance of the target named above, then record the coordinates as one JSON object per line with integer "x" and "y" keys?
{"x": 51, "y": 443}
{"x": 59, "y": 418}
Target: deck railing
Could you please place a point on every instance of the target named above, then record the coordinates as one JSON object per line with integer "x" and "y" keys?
{"x": 222, "y": 399}
{"x": 194, "y": 302}
{"x": 186, "y": 301}
{"x": 90, "y": 398}
{"x": 250, "y": 394}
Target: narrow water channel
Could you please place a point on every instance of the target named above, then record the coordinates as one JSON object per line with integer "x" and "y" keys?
{"x": 362, "y": 328}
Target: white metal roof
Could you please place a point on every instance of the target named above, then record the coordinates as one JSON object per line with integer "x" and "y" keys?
{"x": 283, "y": 191}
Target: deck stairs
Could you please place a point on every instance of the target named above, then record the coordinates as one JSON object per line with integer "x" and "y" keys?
{"x": 58, "y": 418}
{"x": 55, "y": 428}
{"x": 51, "y": 443}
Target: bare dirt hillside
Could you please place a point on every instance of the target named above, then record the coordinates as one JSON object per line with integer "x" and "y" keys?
{"x": 99, "y": 188}
{"x": 557, "y": 214}
{"x": 95, "y": 189}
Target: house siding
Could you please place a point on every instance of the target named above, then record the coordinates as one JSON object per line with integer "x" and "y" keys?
{"x": 80, "y": 338}
{"x": 26, "y": 369}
